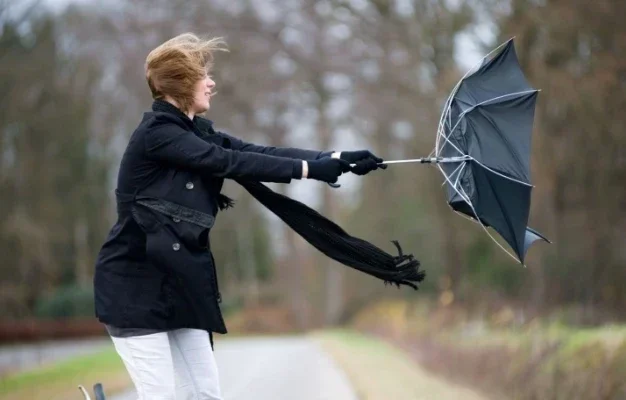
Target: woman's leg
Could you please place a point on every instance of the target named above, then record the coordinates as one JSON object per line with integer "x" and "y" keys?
{"x": 196, "y": 370}
{"x": 148, "y": 359}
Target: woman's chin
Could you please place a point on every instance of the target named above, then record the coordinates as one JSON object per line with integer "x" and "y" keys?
{"x": 203, "y": 109}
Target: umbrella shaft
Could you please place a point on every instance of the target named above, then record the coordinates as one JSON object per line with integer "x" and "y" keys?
{"x": 428, "y": 160}
{"x": 423, "y": 160}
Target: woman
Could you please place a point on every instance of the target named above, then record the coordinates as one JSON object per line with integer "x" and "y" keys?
{"x": 156, "y": 288}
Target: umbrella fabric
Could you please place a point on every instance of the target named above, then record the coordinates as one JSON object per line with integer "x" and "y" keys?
{"x": 490, "y": 119}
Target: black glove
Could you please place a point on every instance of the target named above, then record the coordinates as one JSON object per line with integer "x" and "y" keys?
{"x": 327, "y": 169}
{"x": 354, "y": 156}
{"x": 366, "y": 166}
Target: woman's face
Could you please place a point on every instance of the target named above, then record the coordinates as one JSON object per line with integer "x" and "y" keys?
{"x": 202, "y": 95}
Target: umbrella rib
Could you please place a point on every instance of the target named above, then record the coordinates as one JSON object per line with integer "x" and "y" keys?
{"x": 520, "y": 94}
{"x": 459, "y": 170}
{"x": 441, "y": 133}
{"x": 445, "y": 137}
{"x": 446, "y": 113}
{"x": 463, "y": 195}
{"x": 466, "y": 199}
{"x": 500, "y": 174}
{"x": 456, "y": 182}
{"x": 472, "y": 108}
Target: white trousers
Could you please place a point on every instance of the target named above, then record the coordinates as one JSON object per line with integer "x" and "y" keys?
{"x": 175, "y": 365}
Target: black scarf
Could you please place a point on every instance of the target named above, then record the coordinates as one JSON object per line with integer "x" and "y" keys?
{"x": 323, "y": 234}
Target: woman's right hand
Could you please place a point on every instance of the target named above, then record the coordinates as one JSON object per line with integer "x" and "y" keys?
{"x": 327, "y": 169}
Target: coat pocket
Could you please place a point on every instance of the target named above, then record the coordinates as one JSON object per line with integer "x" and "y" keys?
{"x": 149, "y": 297}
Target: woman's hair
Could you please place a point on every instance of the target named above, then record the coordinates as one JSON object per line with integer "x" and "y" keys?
{"x": 175, "y": 66}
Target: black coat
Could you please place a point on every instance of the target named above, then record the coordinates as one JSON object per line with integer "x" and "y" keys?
{"x": 155, "y": 269}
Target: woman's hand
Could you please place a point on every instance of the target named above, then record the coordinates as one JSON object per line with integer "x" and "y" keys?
{"x": 359, "y": 155}
{"x": 326, "y": 169}
{"x": 365, "y": 161}
{"x": 366, "y": 166}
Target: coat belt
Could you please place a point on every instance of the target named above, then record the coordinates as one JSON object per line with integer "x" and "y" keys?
{"x": 125, "y": 201}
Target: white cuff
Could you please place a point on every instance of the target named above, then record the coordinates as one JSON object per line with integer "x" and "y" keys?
{"x": 305, "y": 169}
{"x": 336, "y": 154}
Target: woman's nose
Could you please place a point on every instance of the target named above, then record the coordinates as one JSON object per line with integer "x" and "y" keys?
{"x": 210, "y": 83}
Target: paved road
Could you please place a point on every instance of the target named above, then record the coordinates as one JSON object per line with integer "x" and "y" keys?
{"x": 25, "y": 356}
{"x": 276, "y": 368}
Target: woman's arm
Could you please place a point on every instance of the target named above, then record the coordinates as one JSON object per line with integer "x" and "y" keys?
{"x": 288, "y": 152}
{"x": 170, "y": 143}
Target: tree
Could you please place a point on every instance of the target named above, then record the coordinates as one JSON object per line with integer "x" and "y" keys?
{"x": 573, "y": 51}
{"x": 50, "y": 191}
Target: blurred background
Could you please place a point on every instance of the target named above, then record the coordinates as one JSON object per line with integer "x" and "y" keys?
{"x": 331, "y": 75}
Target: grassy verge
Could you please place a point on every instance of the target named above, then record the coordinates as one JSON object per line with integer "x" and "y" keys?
{"x": 61, "y": 380}
{"x": 380, "y": 371}
{"x": 504, "y": 355}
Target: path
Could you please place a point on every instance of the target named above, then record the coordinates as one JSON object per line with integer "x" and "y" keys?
{"x": 276, "y": 368}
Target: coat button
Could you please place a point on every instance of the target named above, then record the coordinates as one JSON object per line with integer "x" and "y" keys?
{"x": 176, "y": 246}
{"x": 189, "y": 185}
{"x": 177, "y": 220}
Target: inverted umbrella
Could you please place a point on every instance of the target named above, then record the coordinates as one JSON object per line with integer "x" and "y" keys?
{"x": 483, "y": 148}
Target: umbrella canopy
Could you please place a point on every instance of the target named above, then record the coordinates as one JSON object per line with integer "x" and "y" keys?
{"x": 488, "y": 122}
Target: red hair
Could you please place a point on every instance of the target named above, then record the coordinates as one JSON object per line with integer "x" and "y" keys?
{"x": 174, "y": 67}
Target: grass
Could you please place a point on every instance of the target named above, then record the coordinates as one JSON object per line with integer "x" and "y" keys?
{"x": 570, "y": 338}
{"x": 378, "y": 370}
{"x": 60, "y": 380}
{"x": 542, "y": 358}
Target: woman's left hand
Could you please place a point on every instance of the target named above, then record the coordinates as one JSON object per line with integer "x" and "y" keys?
{"x": 359, "y": 155}
{"x": 366, "y": 166}
{"x": 365, "y": 161}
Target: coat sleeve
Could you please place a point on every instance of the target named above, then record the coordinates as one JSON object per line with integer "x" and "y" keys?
{"x": 180, "y": 148}
{"x": 289, "y": 152}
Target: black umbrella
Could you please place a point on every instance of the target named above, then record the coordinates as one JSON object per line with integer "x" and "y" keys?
{"x": 483, "y": 148}
{"x": 488, "y": 120}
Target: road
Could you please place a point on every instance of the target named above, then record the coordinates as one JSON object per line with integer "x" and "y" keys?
{"x": 285, "y": 367}
{"x": 276, "y": 368}
{"x": 15, "y": 358}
